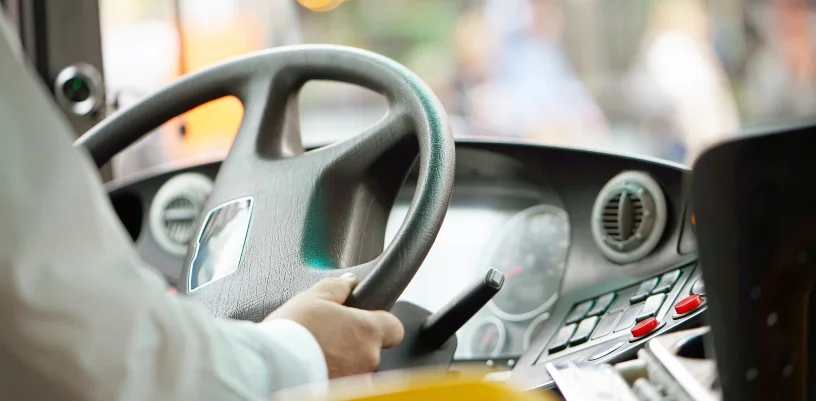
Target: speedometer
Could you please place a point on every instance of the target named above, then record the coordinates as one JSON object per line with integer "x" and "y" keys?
{"x": 531, "y": 251}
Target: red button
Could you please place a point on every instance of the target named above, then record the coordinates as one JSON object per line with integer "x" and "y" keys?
{"x": 645, "y": 327}
{"x": 688, "y": 303}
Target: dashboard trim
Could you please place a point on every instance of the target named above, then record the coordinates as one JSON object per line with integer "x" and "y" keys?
{"x": 193, "y": 162}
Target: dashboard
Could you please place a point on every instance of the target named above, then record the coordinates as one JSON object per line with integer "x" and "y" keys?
{"x": 587, "y": 241}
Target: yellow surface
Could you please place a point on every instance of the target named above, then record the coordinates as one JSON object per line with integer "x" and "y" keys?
{"x": 413, "y": 386}
{"x": 451, "y": 391}
{"x": 320, "y": 5}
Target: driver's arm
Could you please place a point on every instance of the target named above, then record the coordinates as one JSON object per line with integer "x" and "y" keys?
{"x": 80, "y": 318}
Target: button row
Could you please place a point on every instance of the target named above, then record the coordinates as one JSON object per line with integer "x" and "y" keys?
{"x": 578, "y": 333}
{"x": 587, "y": 321}
{"x": 592, "y": 307}
{"x": 655, "y": 285}
{"x": 573, "y": 334}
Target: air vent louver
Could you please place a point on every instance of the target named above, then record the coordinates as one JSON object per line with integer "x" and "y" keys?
{"x": 610, "y": 217}
{"x": 623, "y": 215}
{"x": 179, "y": 218}
{"x": 629, "y": 217}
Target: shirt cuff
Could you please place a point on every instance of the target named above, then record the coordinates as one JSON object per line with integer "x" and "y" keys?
{"x": 299, "y": 358}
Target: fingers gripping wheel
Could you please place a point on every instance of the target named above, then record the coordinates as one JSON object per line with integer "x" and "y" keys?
{"x": 280, "y": 219}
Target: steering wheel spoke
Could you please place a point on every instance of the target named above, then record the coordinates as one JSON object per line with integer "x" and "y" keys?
{"x": 394, "y": 131}
{"x": 270, "y": 127}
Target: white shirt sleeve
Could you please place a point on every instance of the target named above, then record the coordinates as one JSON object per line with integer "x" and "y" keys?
{"x": 80, "y": 316}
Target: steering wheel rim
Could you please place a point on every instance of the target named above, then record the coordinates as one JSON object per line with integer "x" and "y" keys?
{"x": 336, "y": 198}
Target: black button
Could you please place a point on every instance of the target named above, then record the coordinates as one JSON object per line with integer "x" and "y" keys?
{"x": 643, "y": 290}
{"x": 651, "y": 306}
{"x": 606, "y": 325}
{"x": 601, "y": 304}
{"x": 584, "y": 330}
{"x": 579, "y": 311}
{"x": 667, "y": 282}
{"x": 698, "y": 287}
{"x": 605, "y": 351}
{"x": 560, "y": 341}
{"x": 628, "y": 319}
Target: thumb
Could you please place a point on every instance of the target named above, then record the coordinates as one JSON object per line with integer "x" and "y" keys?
{"x": 335, "y": 289}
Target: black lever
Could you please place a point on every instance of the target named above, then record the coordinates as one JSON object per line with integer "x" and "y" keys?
{"x": 442, "y": 325}
{"x": 430, "y": 338}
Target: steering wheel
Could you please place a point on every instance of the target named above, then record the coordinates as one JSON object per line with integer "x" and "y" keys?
{"x": 288, "y": 218}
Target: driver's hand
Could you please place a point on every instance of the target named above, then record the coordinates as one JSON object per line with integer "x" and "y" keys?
{"x": 351, "y": 338}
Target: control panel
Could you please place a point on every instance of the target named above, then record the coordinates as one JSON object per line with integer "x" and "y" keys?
{"x": 611, "y": 326}
{"x": 629, "y": 311}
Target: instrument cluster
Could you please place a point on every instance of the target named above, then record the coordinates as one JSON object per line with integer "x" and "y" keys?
{"x": 523, "y": 235}
{"x": 531, "y": 250}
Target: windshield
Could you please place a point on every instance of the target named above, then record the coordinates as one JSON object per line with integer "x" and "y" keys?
{"x": 659, "y": 78}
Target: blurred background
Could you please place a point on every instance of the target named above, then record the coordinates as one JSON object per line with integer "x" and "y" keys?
{"x": 659, "y": 78}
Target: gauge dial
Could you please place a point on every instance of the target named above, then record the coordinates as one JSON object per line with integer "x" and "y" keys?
{"x": 487, "y": 339}
{"x": 531, "y": 251}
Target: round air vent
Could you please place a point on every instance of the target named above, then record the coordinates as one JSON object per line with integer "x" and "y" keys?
{"x": 175, "y": 210}
{"x": 629, "y": 217}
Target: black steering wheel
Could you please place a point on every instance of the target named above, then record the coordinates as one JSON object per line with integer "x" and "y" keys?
{"x": 287, "y": 218}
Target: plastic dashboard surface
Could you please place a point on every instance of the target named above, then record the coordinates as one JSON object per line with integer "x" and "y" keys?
{"x": 494, "y": 182}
